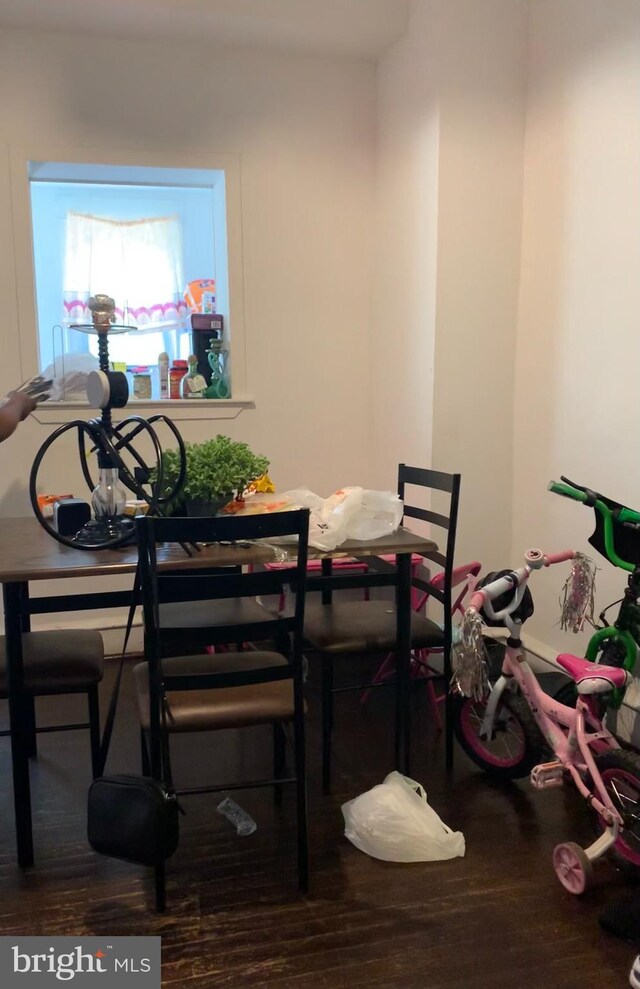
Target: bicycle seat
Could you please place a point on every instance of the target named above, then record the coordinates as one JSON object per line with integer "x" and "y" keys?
{"x": 592, "y": 678}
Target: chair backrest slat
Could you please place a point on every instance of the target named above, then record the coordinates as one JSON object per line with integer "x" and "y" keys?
{"x": 425, "y": 515}
{"x": 220, "y": 529}
{"x": 426, "y": 478}
{"x": 436, "y": 557}
{"x": 212, "y": 681}
{"x": 178, "y": 587}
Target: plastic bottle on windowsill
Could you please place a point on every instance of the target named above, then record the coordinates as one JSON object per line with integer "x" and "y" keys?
{"x": 163, "y": 374}
{"x": 243, "y": 822}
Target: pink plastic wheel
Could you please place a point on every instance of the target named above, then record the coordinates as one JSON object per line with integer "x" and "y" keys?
{"x": 572, "y": 867}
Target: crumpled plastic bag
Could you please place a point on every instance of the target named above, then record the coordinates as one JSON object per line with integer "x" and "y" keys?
{"x": 394, "y": 822}
{"x": 69, "y": 374}
{"x": 349, "y": 513}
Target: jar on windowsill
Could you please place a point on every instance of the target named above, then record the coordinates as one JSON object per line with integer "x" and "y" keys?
{"x": 141, "y": 383}
{"x": 176, "y": 374}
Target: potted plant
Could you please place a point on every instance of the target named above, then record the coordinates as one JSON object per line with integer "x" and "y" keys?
{"x": 217, "y": 471}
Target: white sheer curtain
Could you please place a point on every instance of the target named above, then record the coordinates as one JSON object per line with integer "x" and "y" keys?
{"x": 137, "y": 262}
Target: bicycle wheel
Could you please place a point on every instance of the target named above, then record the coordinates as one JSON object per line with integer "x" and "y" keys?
{"x": 620, "y": 771}
{"x": 516, "y": 744}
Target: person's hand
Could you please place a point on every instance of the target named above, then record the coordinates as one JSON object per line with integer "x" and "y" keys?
{"x": 22, "y": 403}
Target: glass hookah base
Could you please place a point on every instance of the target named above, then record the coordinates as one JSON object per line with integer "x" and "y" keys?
{"x": 106, "y": 529}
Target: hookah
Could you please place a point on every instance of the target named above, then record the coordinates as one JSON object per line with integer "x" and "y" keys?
{"x": 108, "y": 390}
{"x": 217, "y": 357}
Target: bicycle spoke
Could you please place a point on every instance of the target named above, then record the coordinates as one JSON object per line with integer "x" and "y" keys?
{"x": 503, "y": 731}
{"x": 622, "y": 797}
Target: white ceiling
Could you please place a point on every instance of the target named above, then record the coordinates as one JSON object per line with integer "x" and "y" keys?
{"x": 346, "y": 27}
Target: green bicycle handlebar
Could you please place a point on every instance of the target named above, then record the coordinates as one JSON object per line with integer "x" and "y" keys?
{"x": 625, "y": 515}
{"x": 567, "y": 491}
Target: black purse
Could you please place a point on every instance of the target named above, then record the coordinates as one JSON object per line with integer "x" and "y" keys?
{"x": 134, "y": 818}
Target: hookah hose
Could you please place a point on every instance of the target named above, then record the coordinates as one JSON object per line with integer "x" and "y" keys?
{"x": 102, "y": 442}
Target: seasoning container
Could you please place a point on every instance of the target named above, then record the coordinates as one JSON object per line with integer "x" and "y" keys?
{"x": 193, "y": 383}
{"x": 163, "y": 374}
{"x": 176, "y": 374}
{"x": 141, "y": 382}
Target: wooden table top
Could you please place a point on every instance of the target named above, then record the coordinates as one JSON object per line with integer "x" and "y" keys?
{"x": 28, "y": 553}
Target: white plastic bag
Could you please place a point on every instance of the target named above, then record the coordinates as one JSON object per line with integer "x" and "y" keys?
{"x": 348, "y": 513}
{"x": 329, "y": 516}
{"x": 379, "y": 514}
{"x": 394, "y": 822}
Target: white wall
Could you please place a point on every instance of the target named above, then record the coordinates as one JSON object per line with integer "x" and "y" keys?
{"x": 451, "y": 124}
{"x": 578, "y": 348}
{"x": 305, "y": 130}
{"x": 482, "y": 52}
{"x": 403, "y": 318}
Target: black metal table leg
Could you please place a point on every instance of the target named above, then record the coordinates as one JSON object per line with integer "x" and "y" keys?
{"x": 327, "y": 570}
{"x": 29, "y": 702}
{"x": 14, "y": 595}
{"x": 403, "y": 662}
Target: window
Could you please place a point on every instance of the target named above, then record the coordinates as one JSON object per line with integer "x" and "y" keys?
{"x": 139, "y": 234}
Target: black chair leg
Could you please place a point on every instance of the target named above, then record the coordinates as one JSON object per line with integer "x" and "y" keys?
{"x": 94, "y": 729}
{"x": 301, "y": 802}
{"x": 161, "y": 888}
{"x": 145, "y": 761}
{"x": 30, "y": 726}
{"x": 327, "y": 721}
{"x": 279, "y": 755}
{"x": 448, "y": 731}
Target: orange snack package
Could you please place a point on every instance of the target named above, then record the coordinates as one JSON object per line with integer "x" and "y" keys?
{"x": 200, "y": 295}
{"x": 46, "y": 503}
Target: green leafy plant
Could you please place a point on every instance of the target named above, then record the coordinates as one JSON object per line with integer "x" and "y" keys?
{"x": 216, "y": 469}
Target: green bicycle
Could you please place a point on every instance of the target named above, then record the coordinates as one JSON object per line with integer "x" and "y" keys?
{"x": 617, "y": 538}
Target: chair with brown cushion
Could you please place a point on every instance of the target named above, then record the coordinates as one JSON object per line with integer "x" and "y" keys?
{"x": 212, "y": 692}
{"x": 65, "y": 661}
{"x": 336, "y": 631}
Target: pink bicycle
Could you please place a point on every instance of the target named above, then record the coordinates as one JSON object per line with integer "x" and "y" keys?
{"x": 507, "y": 730}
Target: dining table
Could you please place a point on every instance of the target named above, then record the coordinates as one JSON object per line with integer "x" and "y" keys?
{"x": 29, "y": 555}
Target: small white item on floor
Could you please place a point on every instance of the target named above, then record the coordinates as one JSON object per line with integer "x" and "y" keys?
{"x": 394, "y": 822}
{"x": 242, "y": 822}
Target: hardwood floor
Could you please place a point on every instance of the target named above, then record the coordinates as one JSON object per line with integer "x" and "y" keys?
{"x": 497, "y": 918}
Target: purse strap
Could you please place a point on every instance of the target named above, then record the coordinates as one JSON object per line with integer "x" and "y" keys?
{"x": 113, "y": 703}
{"x": 105, "y": 741}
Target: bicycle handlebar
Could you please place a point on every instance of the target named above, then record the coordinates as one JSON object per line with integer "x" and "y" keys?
{"x": 535, "y": 559}
{"x": 568, "y": 489}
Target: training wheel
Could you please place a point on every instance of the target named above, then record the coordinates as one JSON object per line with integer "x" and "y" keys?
{"x": 573, "y": 867}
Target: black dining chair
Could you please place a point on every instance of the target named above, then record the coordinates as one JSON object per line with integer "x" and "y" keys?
{"x": 56, "y": 662}
{"x": 341, "y": 629}
{"x": 230, "y": 689}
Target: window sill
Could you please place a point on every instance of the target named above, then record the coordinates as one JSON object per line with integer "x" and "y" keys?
{"x": 57, "y": 413}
